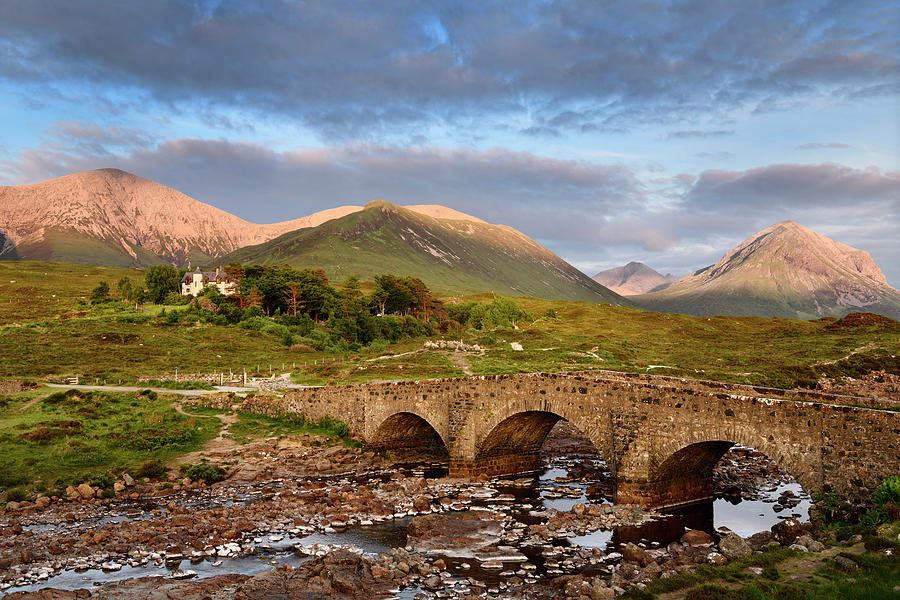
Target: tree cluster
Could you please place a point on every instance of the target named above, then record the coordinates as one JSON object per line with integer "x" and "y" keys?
{"x": 302, "y": 307}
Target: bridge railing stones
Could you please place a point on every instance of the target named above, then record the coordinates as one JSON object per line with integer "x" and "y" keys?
{"x": 749, "y": 390}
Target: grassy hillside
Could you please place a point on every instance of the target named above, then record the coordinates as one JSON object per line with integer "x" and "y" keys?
{"x": 68, "y": 245}
{"x": 53, "y": 440}
{"x": 42, "y": 336}
{"x": 574, "y": 336}
{"x": 451, "y": 256}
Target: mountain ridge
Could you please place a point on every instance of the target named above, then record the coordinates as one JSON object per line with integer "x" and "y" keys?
{"x": 450, "y": 254}
{"x": 112, "y": 217}
{"x": 784, "y": 270}
{"x": 126, "y": 220}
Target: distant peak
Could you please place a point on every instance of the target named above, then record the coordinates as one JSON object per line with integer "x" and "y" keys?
{"x": 379, "y": 204}
{"x": 113, "y": 172}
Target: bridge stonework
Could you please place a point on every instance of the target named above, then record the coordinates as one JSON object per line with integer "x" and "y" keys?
{"x": 660, "y": 436}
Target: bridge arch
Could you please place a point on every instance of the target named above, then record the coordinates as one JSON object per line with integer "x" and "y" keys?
{"x": 681, "y": 469}
{"x": 407, "y": 430}
{"x": 506, "y": 437}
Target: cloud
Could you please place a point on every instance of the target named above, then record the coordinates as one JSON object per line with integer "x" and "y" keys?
{"x": 696, "y": 133}
{"x": 723, "y": 155}
{"x": 516, "y": 188}
{"x": 776, "y": 188}
{"x": 380, "y": 72}
{"x": 824, "y": 146}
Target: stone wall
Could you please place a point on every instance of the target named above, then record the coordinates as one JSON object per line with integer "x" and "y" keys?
{"x": 12, "y": 387}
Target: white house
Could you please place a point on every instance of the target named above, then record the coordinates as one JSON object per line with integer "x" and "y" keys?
{"x": 193, "y": 283}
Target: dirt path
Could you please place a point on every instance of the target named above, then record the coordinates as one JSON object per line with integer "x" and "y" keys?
{"x": 28, "y": 404}
{"x": 220, "y": 443}
{"x": 868, "y": 346}
{"x": 459, "y": 359}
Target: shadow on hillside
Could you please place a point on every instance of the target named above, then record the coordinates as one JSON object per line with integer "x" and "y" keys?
{"x": 7, "y": 247}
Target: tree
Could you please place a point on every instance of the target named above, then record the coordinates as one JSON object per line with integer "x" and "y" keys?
{"x": 352, "y": 287}
{"x": 100, "y": 293}
{"x": 420, "y": 293}
{"x": 395, "y": 295}
{"x": 124, "y": 287}
{"x": 255, "y": 298}
{"x": 161, "y": 280}
{"x": 293, "y": 294}
{"x": 235, "y": 272}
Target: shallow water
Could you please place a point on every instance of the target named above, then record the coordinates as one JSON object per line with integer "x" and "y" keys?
{"x": 527, "y": 498}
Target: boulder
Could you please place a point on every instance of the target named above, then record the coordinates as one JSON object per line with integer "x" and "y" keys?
{"x": 599, "y": 590}
{"x": 695, "y": 537}
{"x": 339, "y": 575}
{"x": 456, "y": 534}
{"x": 85, "y": 491}
{"x": 734, "y": 546}
{"x": 786, "y": 532}
{"x": 128, "y": 479}
{"x": 421, "y": 504}
{"x": 634, "y": 553}
{"x": 760, "y": 540}
{"x": 845, "y": 564}
{"x": 816, "y": 546}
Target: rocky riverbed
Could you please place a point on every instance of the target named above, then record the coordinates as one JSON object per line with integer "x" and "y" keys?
{"x": 343, "y": 523}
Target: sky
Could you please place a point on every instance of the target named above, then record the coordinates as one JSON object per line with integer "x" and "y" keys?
{"x": 608, "y": 131}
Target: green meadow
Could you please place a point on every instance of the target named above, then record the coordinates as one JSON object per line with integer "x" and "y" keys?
{"x": 49, "y": 329}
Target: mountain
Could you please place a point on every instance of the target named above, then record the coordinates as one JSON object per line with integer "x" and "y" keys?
{"x": 634, "y": 278}
{"x": 110, "y": 217}
{"x": 785, "y": 270}
{"x": 446, "y": 249}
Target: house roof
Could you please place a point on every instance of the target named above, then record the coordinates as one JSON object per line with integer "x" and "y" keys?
{"x": 210, "y": 275}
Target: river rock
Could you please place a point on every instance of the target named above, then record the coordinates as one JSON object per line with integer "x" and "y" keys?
{"x": 128, "y": 479}
{"x": 816, "y": 546}
{"x": 634, "y": 553}
{"x": 695, "y": 537}
{"x": 599, "y": 591}
{"x": 845, "y": 564}
{"x": 339, "y": 575}
{"x": 456, "y": 533}
{"x": 760, "y": 540}
{"x": 734, "y": 546}
{"x": 809, "y": 543}
{"x": 787, "y": 531}
{"x": 85, "y": 491}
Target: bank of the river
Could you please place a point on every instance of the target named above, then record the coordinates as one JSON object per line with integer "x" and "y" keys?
{"x": 290, "y": 502}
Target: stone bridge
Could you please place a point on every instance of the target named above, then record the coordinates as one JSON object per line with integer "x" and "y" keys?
{"x": 660, "y": 436}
